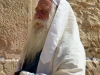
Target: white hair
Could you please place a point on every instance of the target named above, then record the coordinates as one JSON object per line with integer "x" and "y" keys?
{"x": 37, "y": 36}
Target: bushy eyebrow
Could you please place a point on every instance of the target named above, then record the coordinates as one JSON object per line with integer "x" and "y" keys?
{"x": 43, "y": 8}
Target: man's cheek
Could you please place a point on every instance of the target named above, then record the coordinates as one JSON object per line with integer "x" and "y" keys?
{"x": 45, "y": 16}
{"x": 41, "y": 15}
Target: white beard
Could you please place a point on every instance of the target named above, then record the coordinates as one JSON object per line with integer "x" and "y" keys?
{"x": 37, "y": 35}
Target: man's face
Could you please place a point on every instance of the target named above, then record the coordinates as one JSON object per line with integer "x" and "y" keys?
{"x": 43, "y": 9}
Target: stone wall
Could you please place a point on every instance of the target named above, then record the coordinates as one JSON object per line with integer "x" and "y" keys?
{"x": 7, "y": 67}
{"x": 16, "y": 16}
{"x": 88, "y": 17}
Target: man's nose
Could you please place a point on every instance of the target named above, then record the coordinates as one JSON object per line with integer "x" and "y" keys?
{"x": 38, "y": 16}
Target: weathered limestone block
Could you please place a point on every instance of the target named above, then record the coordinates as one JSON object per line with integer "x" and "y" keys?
{"x": 2, "y": 73}
{"x": 13, "y": 27}
{"x": 93, "y": 67}
{"x": 88, "y": 18}
{"x": 1, "y": 67}
{"x": 7, "y": 67}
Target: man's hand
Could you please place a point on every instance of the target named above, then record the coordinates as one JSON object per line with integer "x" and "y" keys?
{"x": 26, "y": 73}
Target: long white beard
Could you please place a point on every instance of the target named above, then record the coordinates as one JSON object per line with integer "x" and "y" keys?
{"x": 37, "y": 35}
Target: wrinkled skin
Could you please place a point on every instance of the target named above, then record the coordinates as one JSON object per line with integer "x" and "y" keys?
{"x": 43, "y": 9}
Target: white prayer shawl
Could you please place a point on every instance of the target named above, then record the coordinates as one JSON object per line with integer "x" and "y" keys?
{"x": 56, "y": 2}
{"x": 63, "y": 52}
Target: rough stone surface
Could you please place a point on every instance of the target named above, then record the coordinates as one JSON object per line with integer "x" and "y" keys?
{"x": 88, "y": 18}
{"x": 8, "y": 67}
{"x": 93, "y": 67}
{"x": 13, "y": 27}
{"x": 16, "y": 16}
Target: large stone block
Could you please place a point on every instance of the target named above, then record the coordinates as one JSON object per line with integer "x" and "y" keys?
{"x": 13, "y": 26}
{"x": 7, "y": 67}
{"x": 93, "y": 67}
{"x": 87, "y": 13}
{"x": 15, "y": 16}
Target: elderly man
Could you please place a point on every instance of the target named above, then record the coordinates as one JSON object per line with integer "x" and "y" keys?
{"x": 53, "y": 46}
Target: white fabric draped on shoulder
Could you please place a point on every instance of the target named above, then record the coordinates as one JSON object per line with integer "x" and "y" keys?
{"x": 56, "y": 2}
{"x": 63, "y": 52}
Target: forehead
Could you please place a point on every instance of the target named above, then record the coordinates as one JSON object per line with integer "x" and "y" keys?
{"x": 44, "y": 2}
